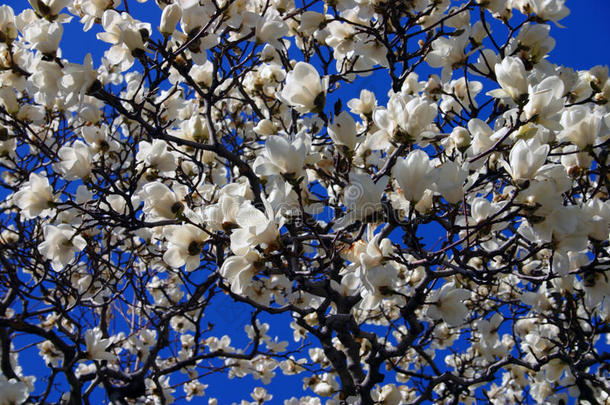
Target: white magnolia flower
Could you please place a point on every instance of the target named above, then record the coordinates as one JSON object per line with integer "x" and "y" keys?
{"x": 460, "y": 93}
{"x": 161, "y": 202}
{"x": 535, "y": 38}
{"x": 485, "y": 62}
{"x": 362, "y": 198}
{"x": 8, "y": 28}
{"x": 483, "y": 137}
{"x": 50, "y": 354}
{"x": 256, "y": 228}
{"x": 49, "y": 8}
{"x": 544, "y": 102}
{"x": 161, "y": 388}
{"x": 388, "y": 395}
{"x": 269, "y": 28}
{"x": 449, "y": 181}
{"x": 8, "y": 99}
{"x": 597, "y": 289}
{"x": 97, "y": 346}
{"x": 525, "y": 158}
{"x": 511, "y": 76}
{"x": 75, "y": 161}
{"x": 343, "y": 131}
{"x": 582, "y": 127}
{"x": 404, "y": 120}
{"x": 185, "y": 244}
{"x": 447, "y": 303}
{"x": 60, "y": 244}
{"x": 364, "y": 105}
{"x": 47, "y": 77}
{"x": 169, "y": 18}
{"x": 304, "y": 91}
{"x": 553, "y": 370}
{"x": 93, "y": 10}
{"x": 311, "y": 21}
{"x": 414, "y": 174}
{"x": 548, "y": 10}
{"x": 282, "y": 156}
{"x": 44, "y": 36}
{"x": 448, "y": 53}
{"x": 98, "y": 139}
{"x": 481, "y": 209}
{"x": 325, "y": 386}
{"x": 378, "y": 282}
{"x": 459, "y": 139}
{"x": 125, "y": 34}
{"x": 78, "y": 79}
{"x": 155, "y": 155}
{"x": 35, "y": 197}
{"x": 194, "y": 16}
{"x": 13, "y": 391}
{"x": 194, "y": 389}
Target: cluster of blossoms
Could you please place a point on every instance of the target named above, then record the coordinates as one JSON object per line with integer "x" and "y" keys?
{"x": 443, "y": 240}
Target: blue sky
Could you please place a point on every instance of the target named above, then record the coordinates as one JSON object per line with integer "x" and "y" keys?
{"x": 581, "y": 44}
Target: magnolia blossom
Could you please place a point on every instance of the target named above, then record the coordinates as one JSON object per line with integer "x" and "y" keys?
{"x": 93, "y": 10}
{"x": 482, "y": 209}
{"x": 448, "y": 53}
{"x": 239, "y": 270}
{"x": 44, "y": 36}
{"x": 13, "y": 391}
{"x": 125, "y": 34}
{"x": 447, "y": 303}
{"x": 388, "y": 395}
{"x": 525, "y": 159}
{"x": 545, "y": 101}
{"x": 99, "y": 140}
{"x": 597, "y": 289}
{"x": 304, "y": 91}
{"x": 362, "y": 198}
{"x": 449, "y": 181}
{"x": 169, "y": 19}
{"x": 282, "y": 157}
{"x": 78, "y": 79}
{"x": 378, "y": 282}
{"x": 162, "y": 202}
{"x": 343, "y": 131}
{"x": 550, "y": 10}
{"x": 8, "y": 99}
{"x": 50, "y": 353}
{"x": 582, "y": 127}
{"x": 97, "y": 346}
{"x": 194, "y": 389}
{"x": 403, "y": 121}
{"x": 310, "y": 22}
{"x": 8, "y": 29}
{"x": 511, "y": 76}
{"x": 75, "y": 161}
{"x": 156, "y": 155}
{"x": 414, "y": 174}
{"x": 185, "y": 245}
{"x": 364, "y": 105}
{"x": 35, "y": 197}
{"x": 536, "y": 38}
{"x": 60, "y": 244}
{"x": 47, "y": 78}
{"x": 49, "y": 8}
{"x": 269, "y": 28}
{"x": 255, "y": 229}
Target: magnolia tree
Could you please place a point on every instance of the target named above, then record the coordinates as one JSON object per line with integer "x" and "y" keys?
{"x": 440, "y": 238}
